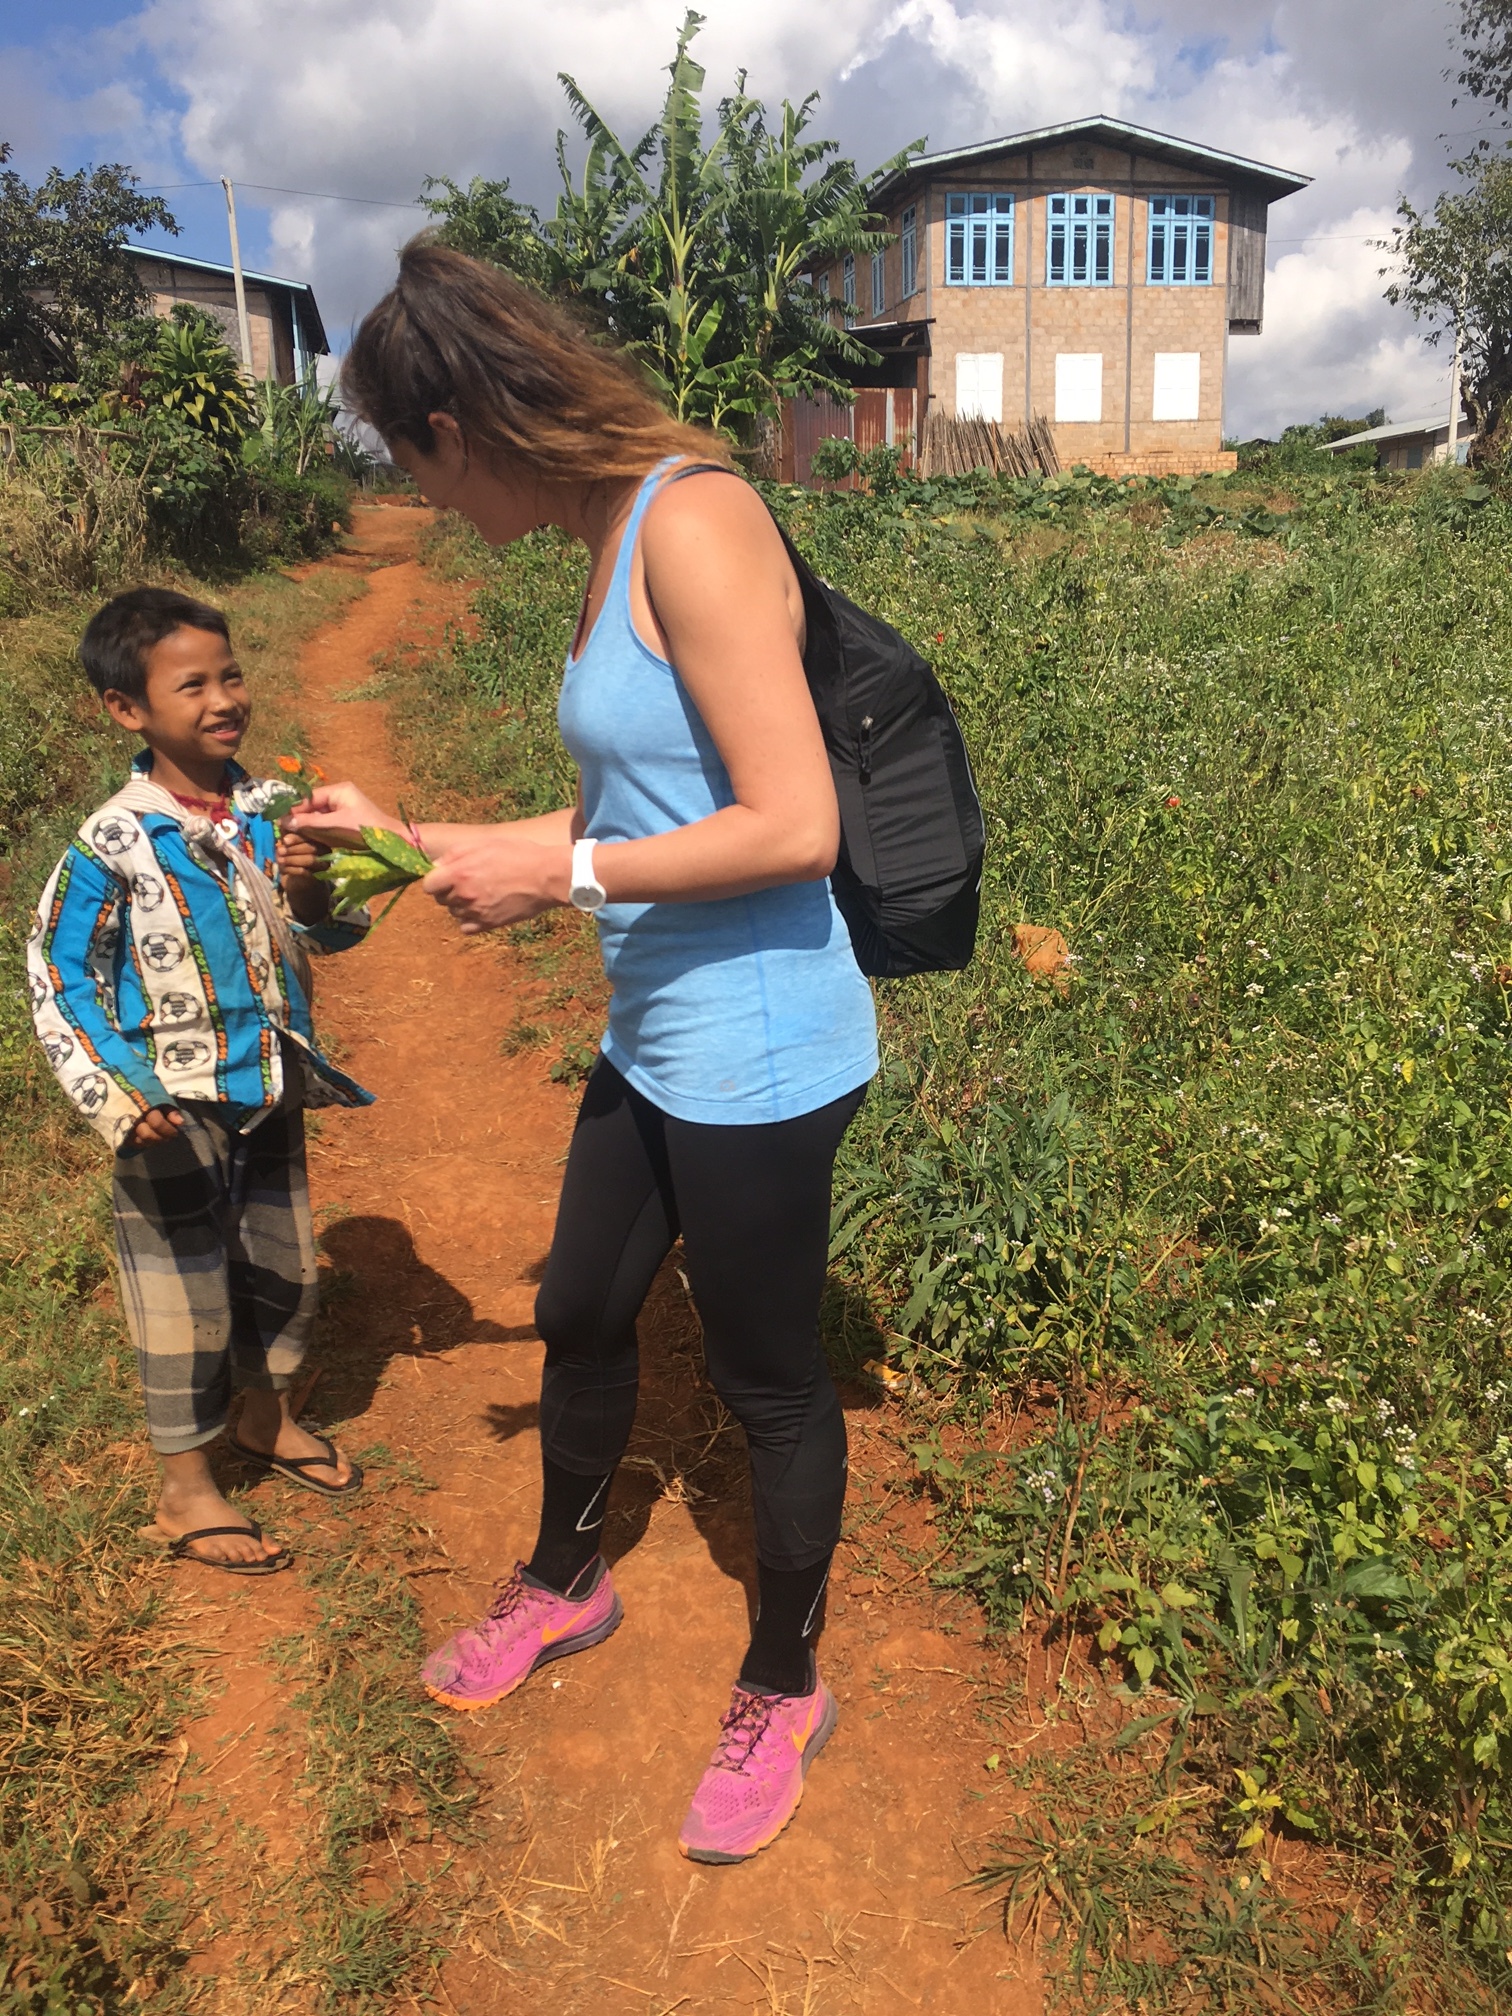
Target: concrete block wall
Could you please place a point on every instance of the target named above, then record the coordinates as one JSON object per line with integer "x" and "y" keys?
{"x": 267, "y": 328}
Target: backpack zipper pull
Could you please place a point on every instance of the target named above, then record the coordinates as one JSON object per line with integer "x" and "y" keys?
{"x": 866, "y": 749}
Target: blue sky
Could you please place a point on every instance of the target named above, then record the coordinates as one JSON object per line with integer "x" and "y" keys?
{"x": 362, "y": 98}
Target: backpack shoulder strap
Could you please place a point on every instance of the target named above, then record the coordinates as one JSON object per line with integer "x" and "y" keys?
{"x": 815, "y": 591}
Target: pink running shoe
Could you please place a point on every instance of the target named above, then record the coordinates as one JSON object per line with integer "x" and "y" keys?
{"x": 526, "y": 1627}
{"x": 755, "y": 1777}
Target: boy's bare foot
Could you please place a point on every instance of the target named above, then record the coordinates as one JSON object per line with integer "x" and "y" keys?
{"x": 267, "y": 1427}
{"x": 189, "y": 1501}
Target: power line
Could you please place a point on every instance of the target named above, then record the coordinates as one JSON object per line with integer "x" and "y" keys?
{"x": 273, "y": 189}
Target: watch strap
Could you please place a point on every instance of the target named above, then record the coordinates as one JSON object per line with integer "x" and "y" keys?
{"x": 586, "y": 889}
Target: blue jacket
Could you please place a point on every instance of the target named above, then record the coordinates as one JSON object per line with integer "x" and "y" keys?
{"x": 154, "y": 978}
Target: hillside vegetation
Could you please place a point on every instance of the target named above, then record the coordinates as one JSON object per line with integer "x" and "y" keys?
{"x": 1213, "y": 1240}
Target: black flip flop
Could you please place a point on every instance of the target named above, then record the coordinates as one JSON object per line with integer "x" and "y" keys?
{"x": 271, "y": 1564}
{"x": 294, "y": 1467}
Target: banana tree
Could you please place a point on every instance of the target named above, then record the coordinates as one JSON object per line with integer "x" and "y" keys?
{"x": 693, "y": 255}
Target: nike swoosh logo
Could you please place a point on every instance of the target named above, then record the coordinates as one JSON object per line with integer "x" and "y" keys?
{"x": 549, "y": 1637}
{"x": 584, "y": 1524}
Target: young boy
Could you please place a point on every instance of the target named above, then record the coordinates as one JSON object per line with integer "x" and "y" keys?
{"x": 170, "y": 988}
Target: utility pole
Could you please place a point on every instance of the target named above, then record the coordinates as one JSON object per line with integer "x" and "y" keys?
{"x": 1451, "y": 453}
{"x": 243, "y": 329}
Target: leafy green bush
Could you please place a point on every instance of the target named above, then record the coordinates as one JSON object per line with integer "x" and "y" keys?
{"x": 191, "y": 373}
{"x": 90, "y": 498}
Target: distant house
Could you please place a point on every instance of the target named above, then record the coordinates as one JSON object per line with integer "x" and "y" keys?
{"x": 282, "y": 318}
{"x": 1091, "y": 273}
{"x": 1408, "y": 444}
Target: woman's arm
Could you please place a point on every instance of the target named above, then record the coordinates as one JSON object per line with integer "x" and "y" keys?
{"x": 719, "y": 587}
{"x": 336, "y": 813}
{"x": 546, "y": 829}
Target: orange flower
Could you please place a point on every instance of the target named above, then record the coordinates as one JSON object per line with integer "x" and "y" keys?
{"x": 290, "y": 764}
{"x": 317, "y": 773}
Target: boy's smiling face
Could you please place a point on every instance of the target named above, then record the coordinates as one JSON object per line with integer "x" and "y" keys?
{"x": 196, "y": 708}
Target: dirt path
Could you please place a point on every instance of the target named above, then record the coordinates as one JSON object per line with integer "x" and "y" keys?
{"x": 437, "y": 1209}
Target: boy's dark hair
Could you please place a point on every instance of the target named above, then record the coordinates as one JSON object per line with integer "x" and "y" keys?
{"x": 116, "y": 642}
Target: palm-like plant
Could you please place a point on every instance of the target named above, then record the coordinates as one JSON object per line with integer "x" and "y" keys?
{"x": 192, "y": 373}
{"x": 693, "y": 255}
{"x": 295, "y": 423}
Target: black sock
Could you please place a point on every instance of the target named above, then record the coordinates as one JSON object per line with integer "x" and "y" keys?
{"x": 789, "y": 1618}
{"x": 572, "y": 1518}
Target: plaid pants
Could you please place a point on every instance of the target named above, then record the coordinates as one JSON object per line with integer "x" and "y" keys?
{"x": 217, "y": 1256}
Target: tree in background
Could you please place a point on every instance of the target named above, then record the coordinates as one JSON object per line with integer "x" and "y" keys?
{"x": 1454, "y": 271}
{"x": 1485, "y": 33}
{"x": 691, "y": 254}
{"x": 484, "y": 221}
{"x": 66, "y": 283}
{"x": 1453, "y": 265}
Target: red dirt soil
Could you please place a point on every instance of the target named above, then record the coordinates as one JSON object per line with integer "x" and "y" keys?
{"x": 437, "y": 1208}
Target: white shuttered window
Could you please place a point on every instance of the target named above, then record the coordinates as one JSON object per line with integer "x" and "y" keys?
{"x": 1178, "y": 385}
{"x": 979, "y": 385}
{"x": 1078, "y": 385}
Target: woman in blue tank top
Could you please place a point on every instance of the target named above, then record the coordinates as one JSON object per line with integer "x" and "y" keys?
{"x": 741, "y": 1032}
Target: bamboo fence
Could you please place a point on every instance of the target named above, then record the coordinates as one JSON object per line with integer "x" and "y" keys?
{"x": 956, "y": 447}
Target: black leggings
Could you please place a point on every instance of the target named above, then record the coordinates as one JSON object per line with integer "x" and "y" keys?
{"x": 752, "y": 1205}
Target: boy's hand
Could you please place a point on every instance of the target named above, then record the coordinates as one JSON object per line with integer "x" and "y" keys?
{"x": 162, "y": 1124}
{"x": 298, "y": 858}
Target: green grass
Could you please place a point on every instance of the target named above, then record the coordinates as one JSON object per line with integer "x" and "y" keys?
{"x": 1226, "y": 1225}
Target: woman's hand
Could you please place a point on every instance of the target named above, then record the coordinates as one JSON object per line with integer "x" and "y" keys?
{"x": 336, "y": 814}
{"x": 500, "y": 879}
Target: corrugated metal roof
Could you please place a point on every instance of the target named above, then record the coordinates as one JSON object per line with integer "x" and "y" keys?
{"x": 309, "y": 313}
{"x": 1277, "y": 182}
{"x": 1394, "y": 430}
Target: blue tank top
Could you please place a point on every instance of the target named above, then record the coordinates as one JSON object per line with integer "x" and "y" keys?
{"x": 743, "y": 1010}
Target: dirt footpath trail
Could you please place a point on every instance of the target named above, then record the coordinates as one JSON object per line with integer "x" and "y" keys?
{"x": 437, "y": 1207}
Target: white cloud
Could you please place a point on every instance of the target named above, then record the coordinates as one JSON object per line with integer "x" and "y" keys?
{"x": 364, "y": 97}
{"x": 1331, "y": 345}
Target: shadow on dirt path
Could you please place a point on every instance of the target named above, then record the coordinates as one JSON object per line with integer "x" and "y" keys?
{"x": 435, "y": 1210}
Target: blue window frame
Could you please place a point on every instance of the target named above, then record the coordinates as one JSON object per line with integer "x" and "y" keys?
{"x": 848, "y": 287}
{"x": 1181, "y": 241}
{"x": 979, "y": 241}
{"x": 879, "y": 286}
{"x": 909, "y": 246}
{"x": 1079, "y": 241}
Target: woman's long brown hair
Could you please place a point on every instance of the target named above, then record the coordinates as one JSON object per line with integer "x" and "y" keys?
{"x": 456, "y": 336}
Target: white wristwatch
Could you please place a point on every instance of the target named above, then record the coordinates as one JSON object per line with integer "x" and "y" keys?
{"x": 586, "y": 891}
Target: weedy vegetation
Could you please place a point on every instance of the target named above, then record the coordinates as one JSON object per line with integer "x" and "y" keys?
{"x": 1219, "y": 1232}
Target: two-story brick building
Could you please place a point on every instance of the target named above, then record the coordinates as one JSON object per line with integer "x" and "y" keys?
{"x": 1091, "y": 273}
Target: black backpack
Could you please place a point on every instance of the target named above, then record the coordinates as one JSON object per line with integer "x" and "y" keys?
{"x": 909, "y": 878}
